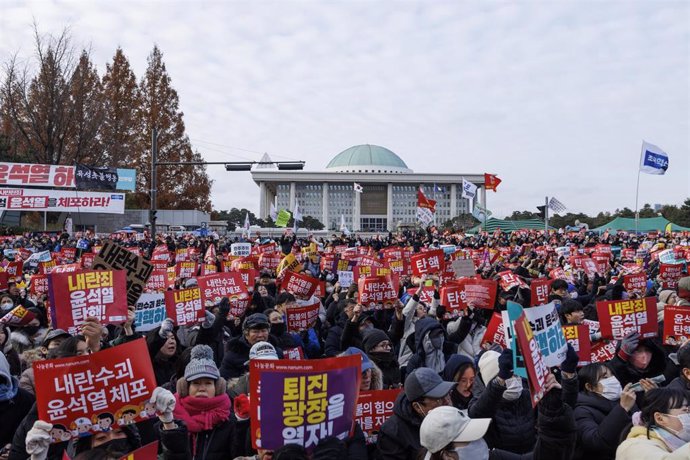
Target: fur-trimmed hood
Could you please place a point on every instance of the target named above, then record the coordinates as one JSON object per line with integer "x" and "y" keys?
{"x": 21, "y": 340}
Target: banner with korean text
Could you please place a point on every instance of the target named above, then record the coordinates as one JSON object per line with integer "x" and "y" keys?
{"x": 184, "y": 306}
{"x": 89, "y": 394}
{"x": 114, "y": 257}
{"x": 378, "y": 291}
{"x": 78, "y": 295}
{"x": 315, "y": 398}
{"x": 26, "y": 199}
{"x": 676, "y": 325}
{"x": 374, "y": 407}
{"x": 227, "y": 284}
{"x": 617, "y": 318}
{"x": 150, "y": 311}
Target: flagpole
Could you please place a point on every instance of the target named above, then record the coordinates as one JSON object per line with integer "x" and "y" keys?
{"x": 637, "y": 195}
{"x": 546, "y": 216}
{"x": 486, "y": 208}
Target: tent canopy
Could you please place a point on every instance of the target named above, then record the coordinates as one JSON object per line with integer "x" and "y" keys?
{"x": 645, "y": 225}
{"x": 493, "y": 224}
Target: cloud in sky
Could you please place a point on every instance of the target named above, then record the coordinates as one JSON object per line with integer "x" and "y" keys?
{"x": 553, "y": 97}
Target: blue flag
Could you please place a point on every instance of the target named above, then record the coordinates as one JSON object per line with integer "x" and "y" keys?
{"x": 653, "y": 159}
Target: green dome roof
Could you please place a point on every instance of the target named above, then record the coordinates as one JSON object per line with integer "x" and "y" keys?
{"x": 367, "y": 156}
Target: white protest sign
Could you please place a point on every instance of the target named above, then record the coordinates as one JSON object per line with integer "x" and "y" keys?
{"x": 240, "y": 249}
{"x": 547, "y": 331}
{"x": 345, "y": 278}
{"x": 463, "y": 267}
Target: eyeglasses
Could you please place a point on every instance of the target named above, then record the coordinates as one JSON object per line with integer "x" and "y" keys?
{"x": 385, "y": 345}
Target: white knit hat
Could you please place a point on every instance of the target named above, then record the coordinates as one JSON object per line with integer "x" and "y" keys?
{"x": 488, "y": 365}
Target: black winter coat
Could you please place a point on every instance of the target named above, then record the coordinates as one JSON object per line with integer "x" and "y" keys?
{"x": 599, "y": 426}
{"x": 216, "y": 444}
{"x": 332, "y": 344}
{"x": 18, "y": 450}
{"x": 13, "y": 412}
{"x": 399, "y": 435}
{"x": 512, "y": 427}
{"x": 237, "y": 353}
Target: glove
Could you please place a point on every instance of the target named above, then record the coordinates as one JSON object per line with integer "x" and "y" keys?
{"x": 569, "y": 364}
{"x": 166, "y": 326}
{"x": 224, "y": 307}
{"x": 208, "y": 320}
{"x": 629, "y": 345}
{"x": 165, "y": 404}
{"x": 505, "y": 364}
{"x": 38, "y": 440}
{"x": 595, "y": 337}
{"x": 241, "y": 407}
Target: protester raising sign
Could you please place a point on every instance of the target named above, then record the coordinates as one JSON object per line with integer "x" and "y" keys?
{"x": 114, "y": 257}
{"x": 427, "y": 262}
{"x": 669, "y": 274}
{"x": 318, "y": 398}
{"x": 227, "y": 284}
{"x": 157, "y": 282}
{"x": 537, "y": 369}
{"x": 466, "y": 292}
{"x": 495, "y": 331}
{"x": 546, "y": 328}
{"x": 76, "y": 296}
{"x": 373, "y": 408}
{"x": 540, "y": 289}
{"x": 304, "y": 316}
{"x": 18, "y": 316}
{"x": 635, "y": 283}
{"x": 676, "y": 325}
{"x": 378, "y": 291}
{"x": 301, "y": 286}
{"x": 617, "y": 318}
{"x": 150, "y": 311}
{"x": 508, "y": 280}
{"x": 184, "y": 306}
{"x": 577, "y": 335}
{"x": 93, "y": 393}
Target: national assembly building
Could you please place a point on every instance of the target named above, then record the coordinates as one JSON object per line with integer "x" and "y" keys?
{"x": 388, "y": 197}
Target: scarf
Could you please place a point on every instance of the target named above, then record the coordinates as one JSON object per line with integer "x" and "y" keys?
{"x": 672, "y": 441}
{"x": 9, "y": 390}
{"x": 202, "y": 414}
{"x": 434, "y": 357}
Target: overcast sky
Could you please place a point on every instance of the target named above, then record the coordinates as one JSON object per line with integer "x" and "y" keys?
{"x": 555, "y": 97}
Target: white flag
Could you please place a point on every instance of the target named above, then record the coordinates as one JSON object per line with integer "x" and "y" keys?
{"x": 469, "y": 190}
{"x": 653, "y": 159}
{"x": 273, "y": 214}
{"x": 343, "y": 227}
{"x": 246, "y": 221}
{"x": 296, "y": 214}
{"x": 556, "y": 206}
{"x": 358, "y": 188}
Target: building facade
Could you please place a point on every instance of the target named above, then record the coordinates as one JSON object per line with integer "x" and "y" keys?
{"x": 389, "y": 191}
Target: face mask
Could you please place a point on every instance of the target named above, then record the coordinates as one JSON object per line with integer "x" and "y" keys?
{"x": 278, "y": 328}
{"x": 437, "y": 341}
{"x": 476, "y": 450}
{"x": 684, "y": 420}
{"x": 31, "y": 330}
{"x": 611, "y": 388}
{"x": 6, "y": 306}
{"x": 513, "y": 388}
{"x": 329, "y": 289}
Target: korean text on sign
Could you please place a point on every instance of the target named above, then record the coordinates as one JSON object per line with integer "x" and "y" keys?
{"x": 184, "y": 306}
{"x": 93, "y": 393}
{"x": 617, "y": 318}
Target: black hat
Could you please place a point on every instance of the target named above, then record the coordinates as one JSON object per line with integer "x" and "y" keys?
{"x": 256, "y": 321}
{"x": 372, "y": 338}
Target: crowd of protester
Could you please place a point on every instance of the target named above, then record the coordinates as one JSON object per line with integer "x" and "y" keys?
{"x": 460, "y": 398}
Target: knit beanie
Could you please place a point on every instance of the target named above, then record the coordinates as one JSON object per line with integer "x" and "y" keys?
{"x": 665, "y": 294}
{"x": 488, "y": 365}
{"x": 372, "y": 338}
{"x": 201, "y": 364}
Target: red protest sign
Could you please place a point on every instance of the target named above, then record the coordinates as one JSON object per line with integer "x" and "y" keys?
{"x": 603, "y": 351}
{"x": 635, "y": 283}
{"x": 87, "y": 260}
{"x": 68, "y": 253}
{"x": 92, "y": 393}
{"x": 362, "y": 271}
{"x": 302, "y": 317}
{"x": 669, "y": 275}
{"x": 249, "y": 277}
{"x": 577, "y": 335}
{"x": 76, "y": 296}
{"x": 4, "y": 281}
{"x": 378, "y": 290}
{"x": 540, "y": 289}
{"x": 508, "y": 280}
{"x": 270, "y": 260}
{"x": 301, "y": 286}
{"x": 38, "y": 286}
{"x": 495, "y": 331}
{"x": 208, "y": 269}
{"x": 374, "y": 407}
{"x": 465, "y": 292}
{"x": 14, "y": 269}
{"x": 18, "y": 316}
{"x": 617, "y": 318}
{"x": 399, "y": 267}
{"x": 537, "y": 371}
{"x": 589, "y": 267}
{"x": 427, "y": 262}
{"x": 147, "y": 452}
{"x": 157, "y": 282}
{"x": 676, "y": 325}
{"x": 186, "y": 269}
{"x": 184, "y": 306}
{"x": 227, "y": 284}
{"x": 426, "y": 295}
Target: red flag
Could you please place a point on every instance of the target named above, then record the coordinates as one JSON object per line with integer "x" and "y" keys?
{"x": 210, "y": 257}
{"x": 491, "y": 181}
{"x": 424, "y": 202}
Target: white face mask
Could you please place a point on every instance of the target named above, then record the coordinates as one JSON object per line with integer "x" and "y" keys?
{"x": 513, "y": 388}
{"x": 6, "y": 305}
{"x": 611, "y": 388}
{"x": 684, "y": 433}
{"x": 476, "y": 450}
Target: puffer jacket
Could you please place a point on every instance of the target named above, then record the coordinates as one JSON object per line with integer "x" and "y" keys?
{"x": 452, "y": 366}
{"x": 599, "y": 425}
{"x": 640, "y": 446}
{"x": 512, "y": 428}
{"x": 399, "y": 435}
{"x": 219, "y": 443}
{"x": 423, "y": 328}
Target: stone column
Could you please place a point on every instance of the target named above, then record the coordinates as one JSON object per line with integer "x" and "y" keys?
{"x": 389, "y": 209}
{"x": 324, "y": 205}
